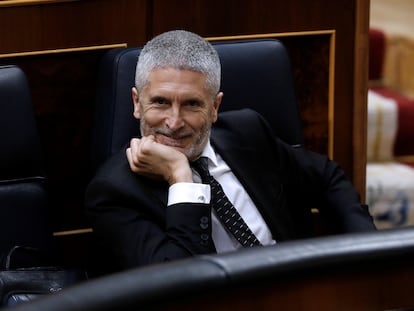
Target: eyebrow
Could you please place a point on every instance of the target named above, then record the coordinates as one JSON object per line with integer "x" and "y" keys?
{"x": 157, "y": 97}
{"x": 185, "y": 99}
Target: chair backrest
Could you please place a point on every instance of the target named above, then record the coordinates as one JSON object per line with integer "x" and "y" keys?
{"x": 256, "y": 74}
{"x": 23, "y": 197}
{"x": 288, "y": 275}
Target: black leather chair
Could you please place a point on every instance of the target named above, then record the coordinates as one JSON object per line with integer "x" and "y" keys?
{"x": 23, "y": 195}
{"x": 255, "y": 74}
{"x": 364, "y": 271}
{"x": 27, "y": 249}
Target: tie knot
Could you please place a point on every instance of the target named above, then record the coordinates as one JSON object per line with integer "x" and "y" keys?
{"x": 201, "y": 167}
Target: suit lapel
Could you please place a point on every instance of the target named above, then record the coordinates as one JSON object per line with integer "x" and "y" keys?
{"x": 263, "y": 187}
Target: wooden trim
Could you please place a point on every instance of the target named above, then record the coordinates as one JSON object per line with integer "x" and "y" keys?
{"x": 359, "y": 138}
{"x": 68, "y": 50}
{"x": 8, "y": 3}
{"x": 331, "y": 96}
{"x": 405, "y": 159}
{"x": 376, "y": 83}
{"x": 331, "y": 82}
{"x": 273, "y": 35}
{"x": 72, "y": 232}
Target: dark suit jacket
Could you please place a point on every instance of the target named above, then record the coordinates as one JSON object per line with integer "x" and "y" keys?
{"x": 133, "y": 226}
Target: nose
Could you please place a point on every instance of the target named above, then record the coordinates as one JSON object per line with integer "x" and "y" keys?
{"x": 174, "y": 120}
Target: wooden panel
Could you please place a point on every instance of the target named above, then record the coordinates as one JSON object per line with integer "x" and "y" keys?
{"x": 71, "y": 24}
{"x": 310, "y": 57}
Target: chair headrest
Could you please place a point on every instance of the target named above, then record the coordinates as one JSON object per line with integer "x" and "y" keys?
{"x": 256, "y": 74}
{"x": 20, "y": 152}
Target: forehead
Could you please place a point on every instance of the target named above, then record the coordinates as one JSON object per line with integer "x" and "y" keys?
{"x": 176, "y": 81}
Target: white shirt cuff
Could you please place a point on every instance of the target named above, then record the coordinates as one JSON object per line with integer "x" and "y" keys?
{"x": 188, "y": 193}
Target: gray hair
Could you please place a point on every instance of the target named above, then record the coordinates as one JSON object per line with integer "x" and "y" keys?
{"x": 182, "y": 50}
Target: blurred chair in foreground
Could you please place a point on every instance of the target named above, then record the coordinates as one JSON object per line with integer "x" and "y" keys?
{"x": 364, "y": 271}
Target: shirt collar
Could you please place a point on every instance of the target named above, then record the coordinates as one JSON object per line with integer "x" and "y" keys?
{"x": 210, "y": 154}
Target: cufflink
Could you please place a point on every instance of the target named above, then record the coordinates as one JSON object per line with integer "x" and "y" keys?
{"x": 201, "y": 199}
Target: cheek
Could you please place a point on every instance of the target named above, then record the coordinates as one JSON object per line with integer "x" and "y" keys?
{"x": 198, "y": 122}
{"x": 152, "y": 118}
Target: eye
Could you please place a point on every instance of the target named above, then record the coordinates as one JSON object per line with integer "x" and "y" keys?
{"x": 193, "y": 103}
{"x": 159, "y": 101}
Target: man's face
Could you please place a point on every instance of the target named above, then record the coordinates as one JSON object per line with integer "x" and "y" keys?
{"x": 177, "y": 109}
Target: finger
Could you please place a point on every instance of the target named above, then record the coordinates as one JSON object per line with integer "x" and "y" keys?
{"x": 128, "y": 155}
{"x": 146, "y": 145}
{"x": 137, "y": 154}
{"x": 134, "y": 145}
{"x": 130, "y": 160}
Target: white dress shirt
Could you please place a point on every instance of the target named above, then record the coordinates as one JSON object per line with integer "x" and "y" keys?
{"x": 200, "y": 193}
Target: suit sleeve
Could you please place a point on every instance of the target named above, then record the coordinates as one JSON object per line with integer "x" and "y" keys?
{"x": 325, "y": 185}
{"x": 132, "y": 224}
{"x": 314, "y": 180}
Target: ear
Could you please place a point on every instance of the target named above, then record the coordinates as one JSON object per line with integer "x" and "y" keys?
{"x": 216, "y": 106}
{"x": 135, "y": 99}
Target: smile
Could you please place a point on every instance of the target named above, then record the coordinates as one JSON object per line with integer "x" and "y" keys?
{"x": 171, "y": 141}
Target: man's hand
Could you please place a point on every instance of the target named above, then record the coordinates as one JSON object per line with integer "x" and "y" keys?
{"x": 149, "y": 158}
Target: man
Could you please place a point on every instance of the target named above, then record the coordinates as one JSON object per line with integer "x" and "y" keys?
{"x": 150, "y": 205}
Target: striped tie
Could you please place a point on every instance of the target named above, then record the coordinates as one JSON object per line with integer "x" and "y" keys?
{"x": 225, "y": 210}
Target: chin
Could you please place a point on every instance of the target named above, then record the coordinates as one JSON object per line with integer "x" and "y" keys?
{"x": 182, "y": 150}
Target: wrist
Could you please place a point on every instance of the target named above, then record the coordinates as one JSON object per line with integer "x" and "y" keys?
{"x": 182, "y": 173}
